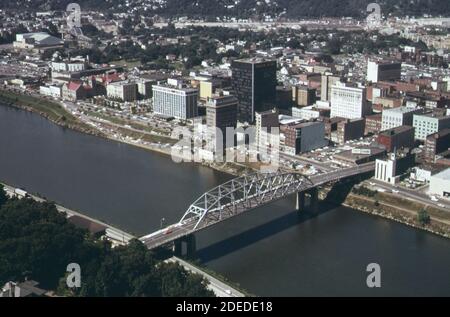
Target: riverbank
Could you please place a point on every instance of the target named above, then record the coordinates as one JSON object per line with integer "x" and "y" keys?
{"x": 48, "y": 109}
{"x": 114, "y": 234}
{"x": 392, "y": 207}
{"x": 57, "y": 114}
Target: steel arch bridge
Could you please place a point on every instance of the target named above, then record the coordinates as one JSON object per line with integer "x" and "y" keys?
{"x": 242, "y": 194}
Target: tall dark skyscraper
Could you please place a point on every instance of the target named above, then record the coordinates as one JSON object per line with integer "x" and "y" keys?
{"x": 254, "y": 84}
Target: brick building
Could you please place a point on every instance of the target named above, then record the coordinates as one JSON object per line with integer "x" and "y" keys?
{"x": 396, "y": 138}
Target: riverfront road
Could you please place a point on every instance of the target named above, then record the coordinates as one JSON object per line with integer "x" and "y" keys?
{"x": 243, "y": 194}
{"x": 115, "y": 234}
{"x": 411, "y": 194}
{"x": 219, "y": 288}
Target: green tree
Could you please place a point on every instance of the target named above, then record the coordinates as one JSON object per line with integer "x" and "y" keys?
{"x": 176, "y": 282}
{"x": 423, "y": 217}
{"x": 37, "y": 242}
{"x": 3, "y": 197}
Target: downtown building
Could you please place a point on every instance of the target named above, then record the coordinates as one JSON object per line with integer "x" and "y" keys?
{"x": 265, "y": 122}
{"x": 397, "y": 138}
{"x": 303, "y": 96}
{"x": 177, "y": 101}
{"x": 221, "y": 113}
{"x": 396, "y": 117}
{"x": 383, "y": 71}
{"x": 122, "y": 90}
{"x": 327, "y": 82}
{"x": 303, "y": 137}
{"x": 373, "y": 123}
{"x": 349, "y": 102}
{"x": 428, "y": 124}
{"x": 350, "y": 129}
{"x": 254, "y": 83}
{"x": 390, "y": 170}
{"x": 437, "y": 143}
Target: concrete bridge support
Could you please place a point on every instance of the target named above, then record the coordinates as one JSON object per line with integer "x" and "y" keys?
{"x": 190, "y": 246}
{"x": 178, "y": 248}
{"x": 313, "y": 200}
{"x": 300, "y": 201}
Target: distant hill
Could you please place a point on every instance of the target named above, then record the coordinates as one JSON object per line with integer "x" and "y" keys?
{"x": 291, "y": 9}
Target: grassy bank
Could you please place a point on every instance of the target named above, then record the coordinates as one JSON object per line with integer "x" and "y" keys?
{"x": 218, "y": 276}
{"x": 46, "y": 108}
{"x": 393, "y": 207}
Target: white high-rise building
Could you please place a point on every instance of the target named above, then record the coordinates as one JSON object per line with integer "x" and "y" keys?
{"x": 396, "y": 117}
{"x": 348, "y": 102}
{"x": 175, "y": 101}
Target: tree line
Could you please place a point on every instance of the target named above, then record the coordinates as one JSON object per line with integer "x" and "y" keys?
{"x": 37, "y": 242}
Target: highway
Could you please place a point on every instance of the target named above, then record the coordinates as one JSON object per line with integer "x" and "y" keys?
{"x": 412, "y": 194}
{"x": 219, "y": 288}
{"x": 10, "y": 191}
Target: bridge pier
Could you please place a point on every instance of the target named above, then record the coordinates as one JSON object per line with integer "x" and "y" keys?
{"x": 300, "y": 201}
{"x": 178, "y": 248}
{"x": 314, "y": 199}
{"x": 190, "y": 243}
{"x": 313, "y": 194}
{"x": 191, "y": 246}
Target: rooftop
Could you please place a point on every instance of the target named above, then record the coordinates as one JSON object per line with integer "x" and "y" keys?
{"x": 445, "y": 175}
{"x": 396, "y": 130}
{"x": 254, "y": 60}
{"x": 401, "y": 110}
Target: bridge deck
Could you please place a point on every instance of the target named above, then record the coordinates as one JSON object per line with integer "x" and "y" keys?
{"x": 243, "y": 194}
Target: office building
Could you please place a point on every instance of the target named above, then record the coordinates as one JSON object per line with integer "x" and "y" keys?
{"x": 328, "y": 81}
{"x": 373, "y": 123}
{"x": 265, "y": 121}
{"x": 437, "y": 143}
{"x": 284, "y": 99}
{"x": 308, "y": 113}
{"x": 207, "y": 88}
{"x": 254, "y": 83}
{"x": 350, "y": 130}
{"x": 349, "y": 102}
{"x": 383, "y": 71}
{"x": 303, "y": 96}
{"x": 122, "y": 90}
{"x": 303, "y": 137}
{"x": 396, "y": 117}
{"x": 177, "y": 101}
{"x": 144, "y": 88}
{"x": 221, "y": 113}
{"x": 396, "y": 138}
{"x": 427, "y": 124}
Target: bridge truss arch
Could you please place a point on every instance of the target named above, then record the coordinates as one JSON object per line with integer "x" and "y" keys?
{"x": 241, "y": 194}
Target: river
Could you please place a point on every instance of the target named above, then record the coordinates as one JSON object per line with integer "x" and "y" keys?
{"x": 271, "y": 251}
